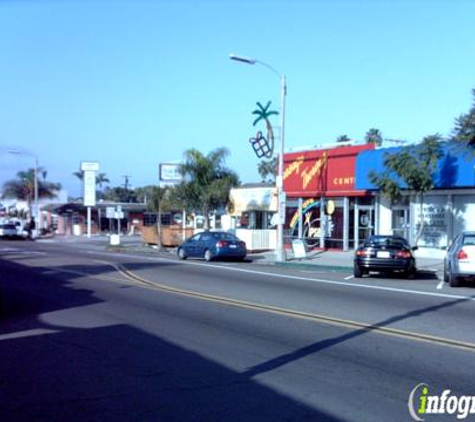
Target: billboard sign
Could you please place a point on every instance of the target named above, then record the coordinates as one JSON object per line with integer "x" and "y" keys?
{"x": 169, "y": 174}
{"x": 89, "y": 170}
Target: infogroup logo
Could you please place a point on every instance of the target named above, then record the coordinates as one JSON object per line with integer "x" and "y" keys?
{"x": 421, "y": 403}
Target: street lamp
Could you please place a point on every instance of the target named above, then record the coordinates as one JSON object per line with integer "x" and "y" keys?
{"x": 35, "y": 182}
{"x": 280, "y": 254}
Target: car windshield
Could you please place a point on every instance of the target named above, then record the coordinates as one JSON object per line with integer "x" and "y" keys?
{"x": 386, "y": 241}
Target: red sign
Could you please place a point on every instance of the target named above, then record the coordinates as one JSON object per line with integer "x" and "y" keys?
{"x": 329, "y": 172}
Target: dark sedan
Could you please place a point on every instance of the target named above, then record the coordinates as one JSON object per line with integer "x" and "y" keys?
{"x": 211, "y": 245}
{"x": 385, "y": 254}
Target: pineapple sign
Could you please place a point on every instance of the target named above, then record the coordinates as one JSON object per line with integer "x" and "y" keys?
{"x": 263, "y": 147}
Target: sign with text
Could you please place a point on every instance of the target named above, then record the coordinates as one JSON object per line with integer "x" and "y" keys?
{"x": 329, "y": 172}
{"x": 89, "y": 170}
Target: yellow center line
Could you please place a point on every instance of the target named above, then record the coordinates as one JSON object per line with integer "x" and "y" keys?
{"x": 346, "y": 323}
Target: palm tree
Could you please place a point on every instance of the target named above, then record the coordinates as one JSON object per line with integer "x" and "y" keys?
{"x": 101, "y": 178}
{"x": 343, "y": 138}
{"x": 23, "y": 187}
{"x": 374, "y": 136}
{"x": 263, "y": 113}
{"x": 464, "y": 131}
{"x": 207, "y": 181}
{"x": 268, "y": 169}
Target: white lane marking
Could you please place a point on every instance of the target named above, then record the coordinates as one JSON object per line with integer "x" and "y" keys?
{"x": 440, "y": 285}
{"x": 349, "y": 277}
{"x": 295, "y": 277}
{"x": 27, "y": 333}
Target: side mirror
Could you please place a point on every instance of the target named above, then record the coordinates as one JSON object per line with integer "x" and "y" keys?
{"x": 415, "y": 248}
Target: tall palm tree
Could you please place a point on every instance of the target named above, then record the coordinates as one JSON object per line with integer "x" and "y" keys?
{"x": 207, "y": 181}
{"x": 374, "y": 136}
{"x": 23, "y": 187}
{"x": 101, "y": 178}
{"x": 263, "y": 113}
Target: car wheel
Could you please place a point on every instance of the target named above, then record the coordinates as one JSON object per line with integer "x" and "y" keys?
{"x": 181, "y": 254}
{"x": 208, "y": 255}
{"x": 357, "y": 271}
{"x": 410, "y": 273}
{"x": 453, "y": 281}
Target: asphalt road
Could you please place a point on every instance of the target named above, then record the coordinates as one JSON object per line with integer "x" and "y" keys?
{"x": 88, "y": 335}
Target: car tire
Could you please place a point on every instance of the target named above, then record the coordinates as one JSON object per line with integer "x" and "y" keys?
{"x": 410, "y": 273}
{"x": 181, "y": 254}
{"x": 208, "y": 255}
{"x": 454, "y": 281}
{"x": 357, "y": 271}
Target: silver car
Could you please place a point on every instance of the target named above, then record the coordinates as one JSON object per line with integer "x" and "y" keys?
{"x": 8, "y": 231}
{"x": 459, "y": 261}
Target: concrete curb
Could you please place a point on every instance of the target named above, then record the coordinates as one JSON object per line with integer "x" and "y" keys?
{"x": 306, "y": 265}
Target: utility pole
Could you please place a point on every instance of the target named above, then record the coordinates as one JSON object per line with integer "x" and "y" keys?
{"x": 126, "y": 181}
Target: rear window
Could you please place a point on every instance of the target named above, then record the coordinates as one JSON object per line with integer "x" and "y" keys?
{"x": 469, "y": 240}
{"x": 8, "y": 226}
{"x": 386, "y": 241}
{"x": 225, "y": 236}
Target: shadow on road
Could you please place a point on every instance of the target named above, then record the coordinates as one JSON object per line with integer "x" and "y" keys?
{"x": 111, "y": 372}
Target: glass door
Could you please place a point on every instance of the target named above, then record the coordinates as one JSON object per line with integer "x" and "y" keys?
{"x": 400, "y": 222}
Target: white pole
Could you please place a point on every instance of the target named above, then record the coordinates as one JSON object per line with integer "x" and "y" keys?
{"x": 37, "y": 209}
{"x": 280, "y": 252}
{"x": 88, "y": 222}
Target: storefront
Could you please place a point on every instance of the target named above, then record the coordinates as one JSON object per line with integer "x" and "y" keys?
{"x": 324, "y": 208}
{"x": 445, "y": 211}
{"x": 251, "y": 211}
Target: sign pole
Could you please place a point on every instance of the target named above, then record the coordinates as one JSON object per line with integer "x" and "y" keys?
{"x": 88, "y": 222}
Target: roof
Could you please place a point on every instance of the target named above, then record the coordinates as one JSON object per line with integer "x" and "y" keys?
{"x": 79, "y": 207}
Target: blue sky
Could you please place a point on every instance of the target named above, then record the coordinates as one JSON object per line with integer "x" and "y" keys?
{"x": 131, "y": 84}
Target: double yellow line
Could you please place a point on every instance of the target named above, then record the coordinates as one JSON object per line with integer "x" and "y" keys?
{"x": 393, "y": 332}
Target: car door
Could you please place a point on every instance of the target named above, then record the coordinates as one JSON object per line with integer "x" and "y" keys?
{"x": 203, "y": 244}
{"x": 191, "y": 245}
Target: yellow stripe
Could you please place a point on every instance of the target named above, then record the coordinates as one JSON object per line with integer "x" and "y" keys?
{"x": 394, "y": 332}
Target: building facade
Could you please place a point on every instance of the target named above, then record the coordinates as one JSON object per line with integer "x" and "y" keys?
{"x": 324, "y": 207}
{"x": 445, "y": 211}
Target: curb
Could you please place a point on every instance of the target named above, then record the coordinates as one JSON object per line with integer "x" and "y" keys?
{"x": 341, "y": 268}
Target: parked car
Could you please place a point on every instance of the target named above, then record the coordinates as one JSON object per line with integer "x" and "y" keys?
{"x": 10, "y": 231}
{"x": 385, "y": 254}
{"x": 211, "y": 245}
{"x": 459, "y": 261}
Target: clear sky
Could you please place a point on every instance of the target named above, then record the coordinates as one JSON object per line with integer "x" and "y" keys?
{"x": 134, "y": 83}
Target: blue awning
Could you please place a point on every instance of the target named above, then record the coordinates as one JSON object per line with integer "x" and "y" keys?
{"x": 456, "y": 169}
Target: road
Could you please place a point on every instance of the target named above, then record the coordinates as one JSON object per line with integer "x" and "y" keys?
{"x": 98, "y": 336}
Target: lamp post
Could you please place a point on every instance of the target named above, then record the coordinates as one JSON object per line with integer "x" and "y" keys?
{"x": 35, "y": 182}
{"x": 280, "y": 253}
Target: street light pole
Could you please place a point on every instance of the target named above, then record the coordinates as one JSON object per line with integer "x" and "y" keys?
{"x": 280, "y": 253}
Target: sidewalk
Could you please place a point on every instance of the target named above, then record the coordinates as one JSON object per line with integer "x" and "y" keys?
{"x": 325, "y": 259}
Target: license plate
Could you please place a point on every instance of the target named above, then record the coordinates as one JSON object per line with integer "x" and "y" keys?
{"x": 383, "y": 254}
{"x": 233, "y": 246}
